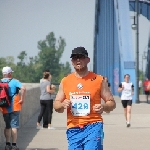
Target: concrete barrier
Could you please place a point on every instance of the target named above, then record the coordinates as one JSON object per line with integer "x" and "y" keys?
{"x": 29, "y": 108}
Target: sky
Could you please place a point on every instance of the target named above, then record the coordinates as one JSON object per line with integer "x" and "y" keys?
{"x": 25, "y": 22}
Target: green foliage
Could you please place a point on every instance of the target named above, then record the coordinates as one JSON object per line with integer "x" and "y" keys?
{"x": 49, "y": 55}
{"x": 141, "y": 75}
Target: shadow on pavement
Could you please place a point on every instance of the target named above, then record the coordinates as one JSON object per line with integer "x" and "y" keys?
{"x": 139, "y": 127}
{"x": 25, "y": 136}
{"x": 42, "y": 149}
{"x": 27, "y": 133}
{"x": 145, "y": 102}
{"x": 22, "y": 143}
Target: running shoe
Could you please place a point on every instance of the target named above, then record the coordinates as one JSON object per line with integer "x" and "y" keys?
{"x": 51, "y": 128}
{"x": 7, "y": 147}
{"x": 39, "y": 127}
{"x": 14, "y": 147}
{"x": 128, "y": 125}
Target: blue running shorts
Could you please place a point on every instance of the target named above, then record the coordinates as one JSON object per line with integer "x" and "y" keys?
{"x": 12, "y": 119}
{"x": 90, "y": 137}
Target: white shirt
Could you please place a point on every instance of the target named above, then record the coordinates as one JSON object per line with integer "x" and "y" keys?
{"x": 127, "y": 91}
{"x": 140, "y": 83}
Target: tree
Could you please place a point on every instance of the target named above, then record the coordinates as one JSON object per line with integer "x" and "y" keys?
{"x": 21, "y": 70}
{"x": 50, "y": 54}
{"x": 22, "y": 57}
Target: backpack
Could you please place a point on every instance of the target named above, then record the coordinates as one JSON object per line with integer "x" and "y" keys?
{"x": 5, "y": 99}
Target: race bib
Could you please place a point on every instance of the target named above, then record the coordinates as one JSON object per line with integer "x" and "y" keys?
{"x": 127, "y": 93}
{"x": 80, "y": 105}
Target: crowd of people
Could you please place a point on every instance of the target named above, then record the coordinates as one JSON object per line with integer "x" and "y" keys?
{"x": 83, "y": 104}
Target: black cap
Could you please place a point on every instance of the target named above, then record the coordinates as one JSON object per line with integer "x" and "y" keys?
{"x": 79, "y": 50}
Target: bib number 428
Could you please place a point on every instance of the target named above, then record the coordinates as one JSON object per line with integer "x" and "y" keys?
{"x": 80, "y": 106}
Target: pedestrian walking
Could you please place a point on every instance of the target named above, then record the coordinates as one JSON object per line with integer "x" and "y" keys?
{"x": 11, "y": 114}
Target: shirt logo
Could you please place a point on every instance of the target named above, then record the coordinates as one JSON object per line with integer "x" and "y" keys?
{"x": 79, "y": 86}
{"x": 93, "y": 79}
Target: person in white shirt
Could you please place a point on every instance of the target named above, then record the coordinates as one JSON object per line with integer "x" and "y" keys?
{"x": 140, "y": 86}
{"x": 127, "y": 89}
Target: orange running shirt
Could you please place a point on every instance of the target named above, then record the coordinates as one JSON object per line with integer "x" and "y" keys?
{"x": 84, "y": 94}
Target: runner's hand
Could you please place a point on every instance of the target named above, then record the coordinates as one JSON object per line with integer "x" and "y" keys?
{"x": 122, "y": 87}
{"x": 66, "y": 103}
{"x": 98, "y": 108}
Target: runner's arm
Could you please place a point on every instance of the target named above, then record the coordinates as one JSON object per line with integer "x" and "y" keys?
{"x": 132, "y": 88}
{"x": 120, "y": 88}
{"x": 59, "y": 99}
{"x": 107, "y": 96}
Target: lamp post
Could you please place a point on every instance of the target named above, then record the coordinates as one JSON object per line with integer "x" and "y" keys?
{"x": 142, "y": 69}
{"x": 135, "y": 27}
{"x": 137, "y": 52}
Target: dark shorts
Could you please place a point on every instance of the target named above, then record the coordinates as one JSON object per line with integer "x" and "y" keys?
{"x": 147, "y": 92}
{"x": 11, "y": 120}
{"x": 126, "y": 103}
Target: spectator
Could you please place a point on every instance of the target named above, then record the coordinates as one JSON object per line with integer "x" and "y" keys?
{"x": 45, "y": 115}
{"x": 11, "y": 113}
{"x": 45, "y": 100}
{"x": 140, "y": 86}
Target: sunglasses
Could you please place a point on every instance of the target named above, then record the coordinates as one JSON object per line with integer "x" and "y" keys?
{"x": 75, "y": 57}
